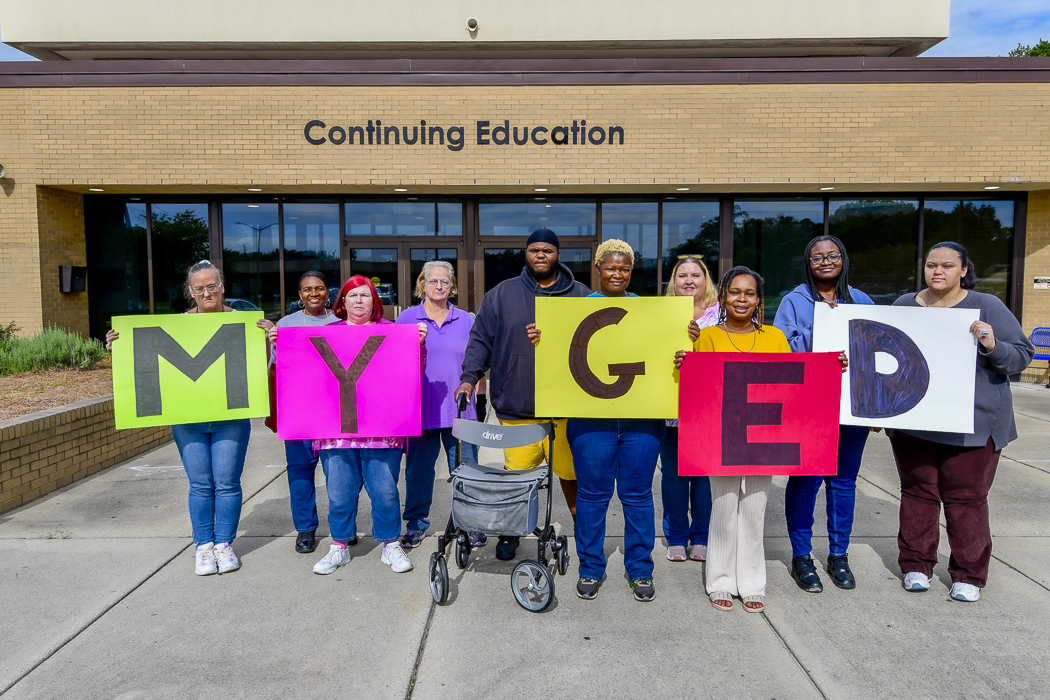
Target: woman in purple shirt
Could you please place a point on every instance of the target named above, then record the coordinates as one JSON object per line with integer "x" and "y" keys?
{"x": 449, "y": 330}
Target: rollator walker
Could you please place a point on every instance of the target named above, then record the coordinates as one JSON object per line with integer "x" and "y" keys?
{"x": 502, "y": 502}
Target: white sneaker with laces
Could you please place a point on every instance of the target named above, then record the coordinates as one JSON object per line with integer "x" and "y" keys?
{"x": 916, "y": 582}
{"x": 966, "y": 592}
{"x": 396, "y": 558}
{"x": 225, "y": 558}
{"x": 205, "y": 560}
{"x": 336, "y": 557}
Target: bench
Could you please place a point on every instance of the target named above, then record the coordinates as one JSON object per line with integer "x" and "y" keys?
{"x": 1041, "y": 339}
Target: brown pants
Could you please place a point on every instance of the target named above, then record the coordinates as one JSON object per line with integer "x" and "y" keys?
{"x": 958, "y": 477}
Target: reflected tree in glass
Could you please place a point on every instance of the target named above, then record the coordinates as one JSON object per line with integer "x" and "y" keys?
{"x": 986, "y": 229}
{"x": 880, "y": 236}
{"x": 180, "y": 240}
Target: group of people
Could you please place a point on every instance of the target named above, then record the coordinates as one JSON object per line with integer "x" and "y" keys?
{"x": 718, "y": 519}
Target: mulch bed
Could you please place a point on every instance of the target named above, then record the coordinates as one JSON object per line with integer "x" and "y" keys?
{"x": 22, "y": 394}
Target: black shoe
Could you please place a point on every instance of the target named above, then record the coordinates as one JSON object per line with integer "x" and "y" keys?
{"x": 643, "y": 588}
{"x": 840, "y": 572}
{"x": 805, "y": 574}
{"x": 352, "y": 541}
{"x": 306, "y": 542}
{"x": 587, "y": 588}
{"x": 506, "y": 547}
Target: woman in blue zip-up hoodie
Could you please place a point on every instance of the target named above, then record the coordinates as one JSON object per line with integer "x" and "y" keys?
{"x": 827, "y": 281}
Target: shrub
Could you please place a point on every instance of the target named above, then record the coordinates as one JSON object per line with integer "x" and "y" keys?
{"x": 53, "y": 347}
{"x": 7, "y": 334}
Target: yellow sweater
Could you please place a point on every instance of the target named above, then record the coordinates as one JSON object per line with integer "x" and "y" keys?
{"x": 715, "y": 339}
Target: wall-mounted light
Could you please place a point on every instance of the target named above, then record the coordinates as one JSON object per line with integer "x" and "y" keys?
{"x": 681, "y": 189}
{"x": 825, "y": 189}
{"x": 3, "y": 171}
{"x": 539, "y": 189}
{"x": 472, "y": 24}
{"x": 255, "y": 189}
{"x": 992, "y": 187}
{"x": 95, "y": 189}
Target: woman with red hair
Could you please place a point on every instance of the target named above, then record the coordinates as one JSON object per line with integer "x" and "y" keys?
{"x": 372, "y": 462}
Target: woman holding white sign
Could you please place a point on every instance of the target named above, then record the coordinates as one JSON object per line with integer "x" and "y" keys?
{"x": 683, "y": 496}
{"x": 957, "y": 469}
{"x": 827, "y": 282}
{"x": 212, "y": 453}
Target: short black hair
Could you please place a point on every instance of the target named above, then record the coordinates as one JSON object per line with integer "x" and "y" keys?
{"x": 723, "y": 293}
{"x": 313, "y": 273}
{"x": 969, "y": 280}
{"x": 841, "y": 284}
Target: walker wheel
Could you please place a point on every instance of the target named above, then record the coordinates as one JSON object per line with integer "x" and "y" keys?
{"x": 532, "y": 585}
{"x": 438, "y": 578}
{"x": 462, "y": 554}
{"x": 563, "y": 555}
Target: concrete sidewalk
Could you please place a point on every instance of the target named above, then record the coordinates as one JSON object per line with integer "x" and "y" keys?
{"x": 99, "y": 600}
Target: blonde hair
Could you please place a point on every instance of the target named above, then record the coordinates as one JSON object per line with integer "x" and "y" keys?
{"x": 610, "y": 247}
{"x": 710, "y": 290}
{"x": 427, "y": 267}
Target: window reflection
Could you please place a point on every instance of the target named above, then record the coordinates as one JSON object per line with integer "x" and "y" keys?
{"x": 250, "y": 257}
{"x": 691, "y": 227}
{"x": 431, "y": 217}
{"x": 635, "y": 222}
{"x": 880, "y": 236}
{"x": 116, "y": 258}
{"x": 985, "y": 228}
{"x": 770, "y": 236}
{"x": 180, "y": 239}
{"x": 379, "y": 265}
{"x": 520, "y": 217}
{"x": 507, "y": 263}
{"x": 311, "y": 242}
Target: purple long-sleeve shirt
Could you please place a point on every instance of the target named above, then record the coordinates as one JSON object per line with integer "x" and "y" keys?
{"x": 445, "y": 347}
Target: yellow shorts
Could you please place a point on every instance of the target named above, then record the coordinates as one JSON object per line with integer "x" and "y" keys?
{"x": 533, "y": 455}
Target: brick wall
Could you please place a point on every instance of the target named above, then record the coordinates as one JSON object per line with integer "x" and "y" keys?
{"x": 45, "y": 451}
{"x": 1037, "y": 264}
{"x": 60, "y": 216}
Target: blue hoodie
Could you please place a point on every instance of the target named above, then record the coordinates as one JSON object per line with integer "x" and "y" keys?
{"x": 795, "y": 316}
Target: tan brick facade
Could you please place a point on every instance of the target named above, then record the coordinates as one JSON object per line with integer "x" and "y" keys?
{"x": 726, "y": 138}
{"x": 46, "y": 451}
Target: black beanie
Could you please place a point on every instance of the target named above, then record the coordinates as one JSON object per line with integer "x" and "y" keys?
{"x": 544, "y": 235}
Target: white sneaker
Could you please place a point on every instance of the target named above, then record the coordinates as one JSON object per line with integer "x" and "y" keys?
{"x": 396, "y": 558}
{"x": 916, "y": 582}
{"x": 226, "y": 559}
{"x": 205, "y": 560}
{"x": 336, "y": 557}
{"x": 966, "y": 592}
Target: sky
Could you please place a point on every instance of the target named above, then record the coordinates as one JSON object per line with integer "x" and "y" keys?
{"x": 976, "y": 28}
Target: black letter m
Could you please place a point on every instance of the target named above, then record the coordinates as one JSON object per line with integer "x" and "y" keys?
{"x": 151, "y": 344}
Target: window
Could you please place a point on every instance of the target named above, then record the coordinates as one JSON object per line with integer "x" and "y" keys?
{"x": 880, "y": 236}
{"x": 250, "y": 257}
{"x": 635, "y": 222}
{"x": 985, "y": 228}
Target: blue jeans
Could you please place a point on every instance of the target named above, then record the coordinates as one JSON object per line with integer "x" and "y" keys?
{"x": 346, "y": 471}
{"x": 302, "y": 463}
{"x": 213, "y": 457}
{"x": 840, "y": 493}
{"x": 620, "y": 455}
{"x": 682, "y": 495}
{"x": 420, "y": 468}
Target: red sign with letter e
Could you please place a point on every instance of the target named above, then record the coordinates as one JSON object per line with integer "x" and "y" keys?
{"x": 767, "y": 413}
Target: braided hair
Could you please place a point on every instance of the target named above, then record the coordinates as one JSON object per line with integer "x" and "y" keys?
{"x": 841, "y": 284}
{"x": 723, "y": 294}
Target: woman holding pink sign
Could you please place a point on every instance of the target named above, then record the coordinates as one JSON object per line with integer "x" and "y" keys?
{"x": 371, "y": 462}
{"x": 957, "y": 469}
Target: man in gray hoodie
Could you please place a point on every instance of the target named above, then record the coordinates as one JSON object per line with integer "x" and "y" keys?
{"x": 499, "y": 342}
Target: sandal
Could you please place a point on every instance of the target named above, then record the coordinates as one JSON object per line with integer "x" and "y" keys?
{"x": 698, "y": 552}
{"x": 754, "y": 603}
{"x": 676, "y": 553}
{"x": 722, "y": 600}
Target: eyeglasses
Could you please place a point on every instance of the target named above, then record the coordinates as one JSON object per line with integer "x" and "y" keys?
{"x": 211, "y": 289}
{"x": 818, "y": 259}
{"x": 438, "y": 283}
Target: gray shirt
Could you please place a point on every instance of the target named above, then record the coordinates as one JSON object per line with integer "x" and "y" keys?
{"x": 993, "y": 407}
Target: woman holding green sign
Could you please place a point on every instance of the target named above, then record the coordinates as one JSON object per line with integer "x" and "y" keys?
{"x": 212, "y": 453}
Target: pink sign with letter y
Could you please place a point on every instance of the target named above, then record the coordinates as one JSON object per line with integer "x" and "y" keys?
{"x": 348, "y": 381}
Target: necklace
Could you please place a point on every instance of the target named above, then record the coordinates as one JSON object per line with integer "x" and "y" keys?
{"x": 754, "y": 339}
